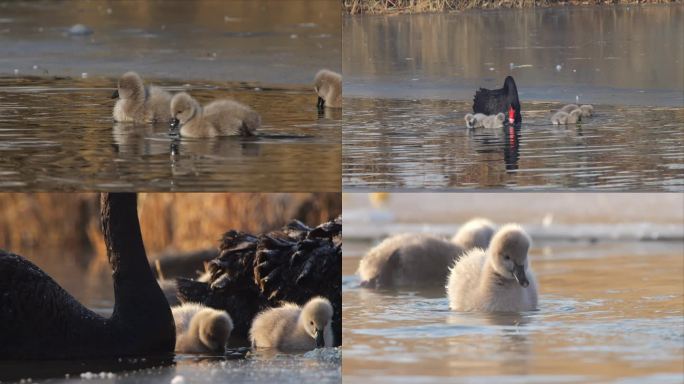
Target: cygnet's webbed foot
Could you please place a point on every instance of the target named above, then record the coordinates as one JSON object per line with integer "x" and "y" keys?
{"x": 321, "y": 104}
{"x": 115, "y": 95}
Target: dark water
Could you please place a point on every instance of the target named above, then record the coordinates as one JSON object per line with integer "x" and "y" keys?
{"x": 409, "y": 80}
{"x": 59, "y": 135}
{"x": 609, "y": 312}
{"x": 390, "y": 143}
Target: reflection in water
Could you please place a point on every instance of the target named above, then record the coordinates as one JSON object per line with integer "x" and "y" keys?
{"x": 604, "y": 55}
{"x": 390, "y": 143}
{"x": 58, "y": 134}
{"x": 611, "y": 311}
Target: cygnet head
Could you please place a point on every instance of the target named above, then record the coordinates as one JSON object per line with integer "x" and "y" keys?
{"x": 500, "y": 117}
{"x": 183, "y": 108}
{"x": 215, "y": 328}
{"x": 508, "y": 253}
{"x": 315, "y": 317}
{"x": 575, "y": 115}
{"x": 469, "y": 120}
{"x": 130, "y": 85}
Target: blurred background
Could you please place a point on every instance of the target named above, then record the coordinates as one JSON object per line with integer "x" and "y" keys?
{"x": 60, "y": 232}
{"x": 270, "y": 41}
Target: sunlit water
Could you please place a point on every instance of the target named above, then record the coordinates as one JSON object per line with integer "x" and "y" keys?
{"x": 56, "y": 133}
{"x": 608, "y": 312}
{"x": 410, "y": 79}
{"x": 59, "y": 135}
{"x": 390, "y": 143}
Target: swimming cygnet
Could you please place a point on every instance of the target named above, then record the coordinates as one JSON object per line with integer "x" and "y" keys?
{"x": 561, "y": 117}
{"x": 498, "y": 279}
{"x": 140, "y": 104}
{"x": 328, "y": 86}
{"x": 587, "y": 110}
{"x": 408, "y": 259}
{"x": 218, "y": 118}
{"x": 291, "y": 327}
{"x": 474, "y": 120}
{"x": 476, "y": 233}
{"x": 569, "y": 108}
{"x": 479, "y": 120}
{"x": 201, "y": 329}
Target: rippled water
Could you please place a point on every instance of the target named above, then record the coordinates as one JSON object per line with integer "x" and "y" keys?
{"x": 609, "y": 312}
{"x": 59, "y": 135}
{"x": 410, "y": 79}
{"x": 56, "y": 133}
{"x": 393, "y": 144}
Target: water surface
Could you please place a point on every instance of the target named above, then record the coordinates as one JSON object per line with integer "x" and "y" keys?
{"x": 410, "y": 79}
{"x": 416, "y": 144}
{"x": 56, "y": 131}
{"x": 609, "y": 312}
{"x": 58, "y": 134}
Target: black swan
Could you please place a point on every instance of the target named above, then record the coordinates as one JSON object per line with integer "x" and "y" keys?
{"x": 40, "y": 320}
{"x": 503, "y": 100}
{"x": 253, "y": 273}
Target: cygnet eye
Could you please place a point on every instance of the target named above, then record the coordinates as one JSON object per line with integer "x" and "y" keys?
{"x": 506, "y": 257}
{"x": 179, "y": 112}
{"x": 311, "y": 322}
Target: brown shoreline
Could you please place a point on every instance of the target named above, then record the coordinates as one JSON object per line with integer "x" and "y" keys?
{"x": 389, "y": 7}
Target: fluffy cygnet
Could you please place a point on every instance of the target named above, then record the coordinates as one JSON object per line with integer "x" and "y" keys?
{"x": 587, "y": 110}
{"x": 480, "y": 120}
{"x": 218, "y": 118}
{"x": 328, "y": 86}
{"x": 474, "y": 120}
{"x": 201, "y": 329}
{"x": 291, "y": 327}
{"x": 561, "y": 117}
{"x": 498, "y": 279}
{"x": 139, "y": 104}
{"x": 408, "y": 259}
{"x": 476, "y": 233}
{"x": 569, "y": 108}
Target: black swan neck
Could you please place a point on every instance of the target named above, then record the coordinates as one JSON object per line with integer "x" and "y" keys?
{"x": 123, "y": 239}
{"x": 140, "y": 307}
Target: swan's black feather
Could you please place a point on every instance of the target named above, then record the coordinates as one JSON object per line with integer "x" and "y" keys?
{"x": 493, "y": 101}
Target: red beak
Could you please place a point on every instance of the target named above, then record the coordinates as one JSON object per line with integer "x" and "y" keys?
{"x": 511, "y": 115}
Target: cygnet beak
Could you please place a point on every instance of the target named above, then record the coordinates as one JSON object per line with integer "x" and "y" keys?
{"x": 174, "y": 123}
{"x": 321, "y": 103}
{"x": 519, "y": 274}
{"x": 115, "y": 95}
{"x": 320, "y": 341}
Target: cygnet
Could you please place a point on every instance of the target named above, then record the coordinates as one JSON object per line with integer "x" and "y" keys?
{"x": 201, "y": 329}
{"x": 498, "y": 279}
{"x": 569, "y": 108}
{"x": 480, "y": 120}
{"x": 139, "y": 104}
{"x": 475, "y": 233}
{"x": 407, "y": 260}
{"x": 587, "y": 110}
{"x": 218, "y": 118}
{"x": 560, "y": 117}
{"x": 291, "y": 327}
{"x": 328, "y": 87}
